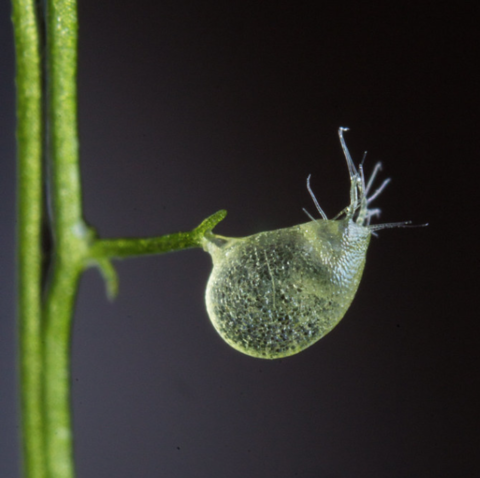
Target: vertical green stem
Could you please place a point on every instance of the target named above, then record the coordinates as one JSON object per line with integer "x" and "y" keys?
{"x": 29, "y": 139}
{"x": 45, "y": 325}
{"x": 58, "y": 313}
{"x": 70, "y": 232}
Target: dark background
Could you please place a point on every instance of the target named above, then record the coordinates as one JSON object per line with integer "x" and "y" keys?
{"x": 188, "y": 107}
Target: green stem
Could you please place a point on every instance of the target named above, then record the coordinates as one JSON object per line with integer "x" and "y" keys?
{"x": 29, "y": 139}
{"x": 123, "y": 248}
{"x": 71, "y": 236}
{"x": 103, "y": 250}
{"x": 45, "y": 330}
{"x": 57, "y": 371}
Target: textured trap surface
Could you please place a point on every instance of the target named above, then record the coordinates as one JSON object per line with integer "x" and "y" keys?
{"x": 275, "y": 293}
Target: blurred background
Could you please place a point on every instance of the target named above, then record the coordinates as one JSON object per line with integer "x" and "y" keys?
{"x": 189, "y": 107}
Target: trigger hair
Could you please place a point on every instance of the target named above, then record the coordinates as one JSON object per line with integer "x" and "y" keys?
{"x": 319, "y": 209}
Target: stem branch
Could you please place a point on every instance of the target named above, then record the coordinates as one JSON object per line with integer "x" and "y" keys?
{"x": 123, "y": 248}
{"x": 45, "y": 328}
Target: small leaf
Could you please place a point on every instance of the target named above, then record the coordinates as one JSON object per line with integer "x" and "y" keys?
{"x": 109, "y": 275}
